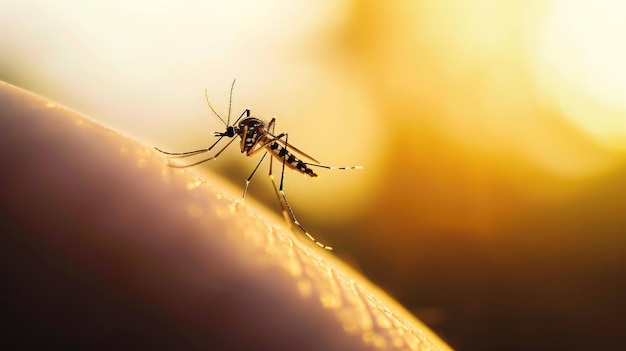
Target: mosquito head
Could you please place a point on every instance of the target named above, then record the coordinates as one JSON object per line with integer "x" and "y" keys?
{"x": 229, "y": 132}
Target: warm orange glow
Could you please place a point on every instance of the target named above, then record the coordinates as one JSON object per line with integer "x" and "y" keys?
{"x": 581, "y": 58}
{"x": 492, "y": 133}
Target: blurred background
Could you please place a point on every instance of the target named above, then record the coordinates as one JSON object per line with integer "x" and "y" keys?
{"x": 492, "y": 134}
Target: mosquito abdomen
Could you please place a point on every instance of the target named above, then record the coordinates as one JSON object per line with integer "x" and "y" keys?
{"x": 290, "y": 159}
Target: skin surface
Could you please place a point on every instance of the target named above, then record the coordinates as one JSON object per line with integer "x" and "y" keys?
{"x": 106, "y": 247}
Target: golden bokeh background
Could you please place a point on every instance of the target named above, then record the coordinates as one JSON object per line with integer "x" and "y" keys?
{"x": 492, "y": 135}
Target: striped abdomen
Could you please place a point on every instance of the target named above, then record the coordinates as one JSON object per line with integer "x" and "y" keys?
{"x": 291, "y": 161}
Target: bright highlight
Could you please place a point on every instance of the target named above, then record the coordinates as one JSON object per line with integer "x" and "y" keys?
{"x": 582, "y": 58}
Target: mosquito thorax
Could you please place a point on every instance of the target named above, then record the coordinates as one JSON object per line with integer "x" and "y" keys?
{"x": 252, "y": 123}
{"x": 251, "y": 130}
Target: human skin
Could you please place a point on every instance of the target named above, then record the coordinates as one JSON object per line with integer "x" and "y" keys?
{"x": 106, "y": 247}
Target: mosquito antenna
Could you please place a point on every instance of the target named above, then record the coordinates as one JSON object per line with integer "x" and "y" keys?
{"x": 230, "y": 100}
{"x": 206, "y": 97}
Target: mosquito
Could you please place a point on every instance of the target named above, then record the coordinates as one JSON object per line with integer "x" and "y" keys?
{"x": 256, "y": 136}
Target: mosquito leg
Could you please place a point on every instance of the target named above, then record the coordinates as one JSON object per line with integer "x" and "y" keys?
{"x": 290, "y": 217}
{"x": 331, "y": 167}
{"x": 201, "y": 161}
{"x": 272, "y": 125}
{"x": 181, "y": 154}
{"x": 245, "y": 190}
{"x": 282, "y": 176}
{"x": 188, "y": 153}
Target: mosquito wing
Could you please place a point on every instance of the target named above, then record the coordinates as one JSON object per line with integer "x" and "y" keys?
{"x": 293, "y": 149}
